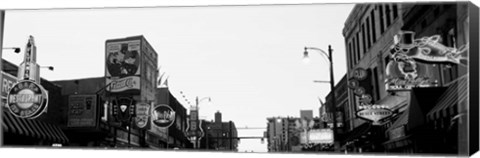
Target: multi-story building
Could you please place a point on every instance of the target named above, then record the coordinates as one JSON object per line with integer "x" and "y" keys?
{"x": 440, "y": 127}
{"x": 219, "y": 135}
{"x": 438, "y": 107}
{"x": 342, "y": 108}
{"x": 369, "y": 32}
{"x": 289, "y": 133}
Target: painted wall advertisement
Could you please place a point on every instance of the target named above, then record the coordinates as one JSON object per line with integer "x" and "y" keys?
{"x": 82, "y": 111}
{"x": 123, "y": 65}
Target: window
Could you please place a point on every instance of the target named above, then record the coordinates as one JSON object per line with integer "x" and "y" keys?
{"x": 382, "y": 25}
{"x": 354, "y": 51}
{"x": 436, "y": 12}
{"x": 358, "y": 47}
{"x": 387, "y": 12}
{"x": 376, "y": 96}
{"x": 369, "y": 41}
{"x": 351, "y": 54}
{"x": 395, "y": 11}
{"x": 364, "y": 40}
{"x": 424, "y": 23}
{"x": 372, "y": 15}
{"x": 450, "y": 71}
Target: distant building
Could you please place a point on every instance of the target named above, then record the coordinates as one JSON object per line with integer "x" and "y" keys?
{"x": 285, "y": 133}
{"x": 219, "y": 135}
{"x": 306, "y": 114}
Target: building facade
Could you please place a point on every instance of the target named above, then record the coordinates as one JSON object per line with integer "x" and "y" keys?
{"x": 219, "y": 135}
{"x": 373, "y": 32}
{"x": 369, "y": 32}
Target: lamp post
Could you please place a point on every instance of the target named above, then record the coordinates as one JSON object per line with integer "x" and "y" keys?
{"x": 197, "y": 102}
{"x": 333, "y": 108}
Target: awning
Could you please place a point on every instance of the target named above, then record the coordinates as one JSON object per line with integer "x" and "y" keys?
{"x": 456, "y": 92}
{"x": 356, "y": 132}
{"x": 32, "y": 128}
{"x": 421, "y": 101}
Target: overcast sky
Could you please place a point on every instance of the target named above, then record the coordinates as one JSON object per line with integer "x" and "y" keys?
{"x": 248, "y": 59}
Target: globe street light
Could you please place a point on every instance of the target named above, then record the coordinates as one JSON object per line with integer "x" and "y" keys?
{"x": 332, "y": 87}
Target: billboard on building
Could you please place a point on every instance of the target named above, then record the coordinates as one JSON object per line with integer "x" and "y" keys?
{"x": 122, "y": 65}
{"x": 82, "y": 111}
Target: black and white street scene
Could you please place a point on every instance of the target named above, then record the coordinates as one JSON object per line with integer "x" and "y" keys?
{"x": 340, "y": 78}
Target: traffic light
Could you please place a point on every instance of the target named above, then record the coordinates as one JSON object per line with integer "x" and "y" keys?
{"x": 131, "y": 110}
{"x": 114, "y": 110}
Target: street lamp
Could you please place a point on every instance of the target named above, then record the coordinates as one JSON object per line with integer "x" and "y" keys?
{"x": 48, "y": 67}
{"x": 332, "y": 87}
{"x": 16, "y": 49}
{"x": 197, "y": 102}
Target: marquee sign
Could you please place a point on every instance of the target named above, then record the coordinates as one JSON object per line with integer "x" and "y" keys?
{"x": 163, "y": 116}
{"x": 26, "y": 99}
{"x": 374, "y": 114}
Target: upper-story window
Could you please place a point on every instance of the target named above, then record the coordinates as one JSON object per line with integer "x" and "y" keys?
{"x": 382, "y": 24}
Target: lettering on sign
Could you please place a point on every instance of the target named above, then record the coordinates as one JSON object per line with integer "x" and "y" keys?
{"x": 163, "y": 116}
{"x": 374, "y": 115}
{"x": 26, "y": 99}
{"x": 123, "y": 84}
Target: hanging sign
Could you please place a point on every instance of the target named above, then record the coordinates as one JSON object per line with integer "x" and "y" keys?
{"x": 163, "y": 116}
{"x": 413, "y": 58}
{"x": 26, "y": 99}
{"x": 360, "y": 74}
{"x": 141, "y": 118}
{"x": 374, "y": 114}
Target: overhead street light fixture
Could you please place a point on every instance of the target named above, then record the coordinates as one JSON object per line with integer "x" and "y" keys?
{"x": 333, "y": 107}
{"x": 16, "y": 49}
{"x": 48, "y": 67}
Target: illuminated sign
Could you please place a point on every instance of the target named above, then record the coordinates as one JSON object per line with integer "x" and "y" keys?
{"x": 141, "y": 118}
{"x": 374, "y": 114}
{"x": 412, "y": 59}
{"x": 321, "y": 136}
{"x": 163, "y": 116}
{"x": 82, "y": 111}
{"x": 26, "y": 99}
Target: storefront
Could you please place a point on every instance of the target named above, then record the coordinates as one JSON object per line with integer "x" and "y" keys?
{"x": 21, "y": 131}
{"x": 410, "y": 133}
